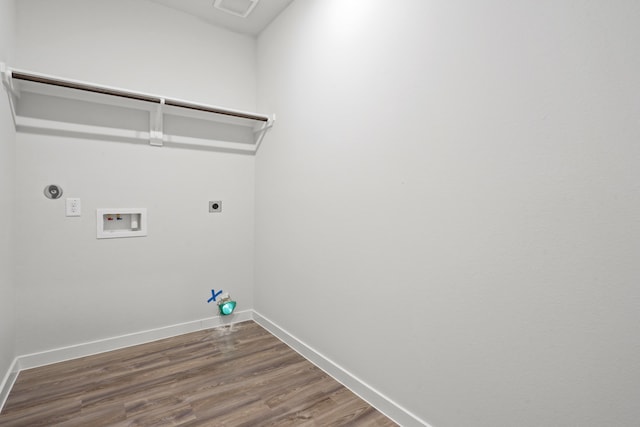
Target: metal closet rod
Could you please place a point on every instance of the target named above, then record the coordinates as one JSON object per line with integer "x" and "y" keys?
{"x": 131, "y": 95}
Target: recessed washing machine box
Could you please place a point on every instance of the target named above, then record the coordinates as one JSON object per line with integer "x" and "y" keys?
{"x": 121, "y": 222}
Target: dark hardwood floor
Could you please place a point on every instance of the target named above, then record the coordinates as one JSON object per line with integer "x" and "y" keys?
{"x": 238, "y": 375}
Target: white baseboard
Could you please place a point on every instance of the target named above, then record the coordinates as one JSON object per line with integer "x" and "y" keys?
{"x": 376, "y": 399}
{"x": 48, "y": 357}
{"x": 7, "y": 381}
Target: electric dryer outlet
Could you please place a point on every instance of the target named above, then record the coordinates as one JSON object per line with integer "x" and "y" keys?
{"x": 215, "y": 206}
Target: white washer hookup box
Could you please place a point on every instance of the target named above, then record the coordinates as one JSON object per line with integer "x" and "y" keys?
{"x": 121, "y": 222}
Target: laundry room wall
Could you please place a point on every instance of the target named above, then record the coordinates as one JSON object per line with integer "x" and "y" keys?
{"x": 7, "y": 190}
{"x": 73, "y": 288}
{"x": 449, "y": 206}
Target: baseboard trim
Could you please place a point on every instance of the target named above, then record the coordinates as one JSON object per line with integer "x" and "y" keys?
{"x": 376, "y": 399}
{"x": 7, "y": 381}
{"x": 62, "y": 354}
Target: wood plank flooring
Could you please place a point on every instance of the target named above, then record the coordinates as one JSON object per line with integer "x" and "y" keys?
{"x": 239, "y": 375}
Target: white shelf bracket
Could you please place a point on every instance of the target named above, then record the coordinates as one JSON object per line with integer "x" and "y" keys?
{"x": 261, "y": 132}
{"x": 12, "y": 92}
{"x": 156, "y": 135}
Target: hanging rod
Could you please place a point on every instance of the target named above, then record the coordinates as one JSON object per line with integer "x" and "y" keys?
{"x": 80, "y": 86}
{"x": 20, "y": 75}
{"x": 182, "y": 104}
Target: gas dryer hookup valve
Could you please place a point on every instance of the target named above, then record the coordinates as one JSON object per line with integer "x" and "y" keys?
{"x": 53, "y": 191}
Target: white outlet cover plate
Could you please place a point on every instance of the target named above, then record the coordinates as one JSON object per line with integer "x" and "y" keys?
{"x": 73, "y": 207}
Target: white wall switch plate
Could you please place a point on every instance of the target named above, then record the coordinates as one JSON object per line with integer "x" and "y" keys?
{"x": 74, "y": 208}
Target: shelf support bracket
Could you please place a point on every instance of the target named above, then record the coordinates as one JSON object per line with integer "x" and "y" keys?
{"x": 261, "y": 132}
{"x": 12, "y": 93}
{"x": 156, "y": 118}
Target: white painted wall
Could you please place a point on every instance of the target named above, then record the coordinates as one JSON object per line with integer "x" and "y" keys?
{"x": 449, "y": 205}
{"x": 138, "y": 45}
{"x": 73, "y": 288}
{"x": 7, "y": 174}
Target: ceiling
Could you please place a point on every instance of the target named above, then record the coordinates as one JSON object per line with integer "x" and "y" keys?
{"x": 263, "y": 13}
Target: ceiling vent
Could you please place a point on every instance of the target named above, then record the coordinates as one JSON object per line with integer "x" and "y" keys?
{"x": 240, "y": 8}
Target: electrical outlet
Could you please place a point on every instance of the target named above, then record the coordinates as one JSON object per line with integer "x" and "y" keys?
{"x": 74, "y": 208}
{"x": 215, "y": 206}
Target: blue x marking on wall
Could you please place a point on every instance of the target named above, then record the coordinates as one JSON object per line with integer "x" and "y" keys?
{"x": 214, "y": 295}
